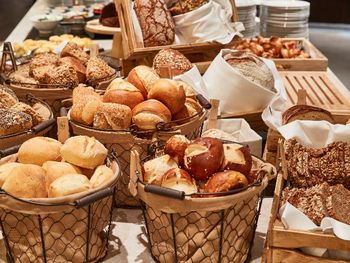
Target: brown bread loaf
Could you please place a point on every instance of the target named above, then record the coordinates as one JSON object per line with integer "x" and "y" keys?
{"x": 306, "y": 112}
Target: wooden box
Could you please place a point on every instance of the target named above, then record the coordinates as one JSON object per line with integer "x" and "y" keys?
{"x": 317, "y": 62}
{"x": 135, "y": 54}
{"x": 282, "y": 244}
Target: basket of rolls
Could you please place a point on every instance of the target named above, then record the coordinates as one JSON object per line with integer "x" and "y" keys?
{"x": 57, "y": 200}
{"x": 131, "y": 114}
{"x": 200, "y": 199}
{"x": 21, "y": 120}
{"x": 51, "y": 77}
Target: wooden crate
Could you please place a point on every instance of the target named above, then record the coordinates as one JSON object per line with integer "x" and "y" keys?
{"x": 282, "y": 244}
{"x": 317, "y": 62}
{"x": 134, "y": 53}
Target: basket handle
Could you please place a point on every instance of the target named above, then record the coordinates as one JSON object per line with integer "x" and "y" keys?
{"x": 9, "y": 151}
{"x": 87, "y": 200}
{"x": 203, "y": 101}
{"x": 167, "y": 192}
{"x": 42, "y": 126}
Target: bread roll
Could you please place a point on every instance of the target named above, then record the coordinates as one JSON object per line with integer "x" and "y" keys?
{"x": 12, "y": 122}
{"x": 189, "y": 91}
{"x": 142, "y": 77}
{"x": 149, "y": 113}
{"x": 123, "y": 92}
{"x": 112, "y": 116}
{"x": 83, "y": 111}
{"x": 237, "y": 158}
{"x": 184, "y": 6}
{"x": 101, "y": 175}
{"x": 84, "y": 151}
{"x": 73, "y": 50}
{"x": 176, "y": 146}
{"x": 22, "y": 107}
{"x": 173, "y": 59}
{"x": 38, "y": 150}
{"x": 203, "y": 157}
{"x": 97, "y": 70}
{"x": 7, "y": 99}
{"x": 155, "y": 169}
{"x": 179, "y": 179}
{"x": 82, "y": 91}
{"x": 78, "y": 66}
{"x": 69, "y": 184}
{"x": 5, "y": 170}
{"x": 55, "y": 170}
{"x": 26, "y": 181}
{"x": 168, "y": 92}
{"x": 225, "y": 181}
{"x": 156, "y": 22}
{"x": 190, "y": 109}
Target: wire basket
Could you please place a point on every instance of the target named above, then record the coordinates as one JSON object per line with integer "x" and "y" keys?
{"x": 201, "y": 228}
{"x": 52, "y": 94}
{"x": 75, "y": 228}
{"x": 7, "y": 141}
{"x": 122, "y": 142}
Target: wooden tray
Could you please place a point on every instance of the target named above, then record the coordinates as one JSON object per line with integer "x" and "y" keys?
{"x": 94, "y": 26}
{"x": 282, "y": 244}
{"x": 317, "y": 62}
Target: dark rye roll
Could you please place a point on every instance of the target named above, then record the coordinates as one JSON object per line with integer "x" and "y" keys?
{"x": 306, "y": 112}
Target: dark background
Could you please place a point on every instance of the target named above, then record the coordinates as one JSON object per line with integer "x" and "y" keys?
{"x": 330, "y": 11}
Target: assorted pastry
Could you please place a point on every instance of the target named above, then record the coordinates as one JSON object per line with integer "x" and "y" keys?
{"x": 16, "y": 116}
{"x": 47, "y": 46}
{"x": 273, "y": 47}
{"x": 47, "y": 168}
{"x": 319, "y": 180}
{"x": 69, "y": 68}
{"x": 204, "y": 165}
{"x": 145, "y": 101}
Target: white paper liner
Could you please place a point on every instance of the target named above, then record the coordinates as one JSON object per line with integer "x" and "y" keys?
{"x": 200, "y": 25}
{"x": 293, "y": 218}
{"x": 316, "y": 134}
{"x": 241, "y": 132}
{"x": 237, "y": 94}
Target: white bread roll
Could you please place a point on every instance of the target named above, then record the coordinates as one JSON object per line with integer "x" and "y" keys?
{"x": 38, "y": 150}
{"x": 156, "y": 168}
{"x": 55, "y": 170}
{"x": 101, "y": 175}
{"x": 84, "y": 151}
{"x": 142, "y": 77}
{"x": 26, "y": 181}
{"x": 69, "y": 184}
{"x": 5, "y": 170}
{"x": 149, "y": 113}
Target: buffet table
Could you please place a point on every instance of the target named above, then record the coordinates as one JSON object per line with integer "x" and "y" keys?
{"x": 128, "y": 240}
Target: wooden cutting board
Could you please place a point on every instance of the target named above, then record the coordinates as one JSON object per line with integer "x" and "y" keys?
{"x": 95, "y": 27}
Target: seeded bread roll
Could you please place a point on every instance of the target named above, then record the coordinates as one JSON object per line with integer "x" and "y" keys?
{"x": 73, "y": 50}
{"x": 7, "y": 98}
{"x": 38, "y": 150}
{"x": 306, "y": 112}
{"x": 43, "y": 59}
{"x": 173, "y": 59}
{"x": 84, "y": 151}
{"x": 97, "y": 71}
{"x": 77, "y": 65}
{"x": 184, "y": 6}
{"x": 149, "y": 113}
{"x": 26, "y": 181}
{"x": 22, "y": 107}
{"x": 12, "y": 121}
{"x": 112, "y": 116}
{"x": 156, "y": 22}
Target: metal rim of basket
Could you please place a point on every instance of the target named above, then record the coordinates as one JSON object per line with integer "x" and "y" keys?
{"x": 160, "y": 127}
{"x": 111, "y": 156}
{"x": 258, "y": 182}
{"x": 31, "y": 98}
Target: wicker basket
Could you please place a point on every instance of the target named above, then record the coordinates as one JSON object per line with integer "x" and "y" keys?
{"x": 41, "y": 129}
{"x": 122, "y": 142}
{"x": 198, "y": 227}
{"x": 75, "y": 228}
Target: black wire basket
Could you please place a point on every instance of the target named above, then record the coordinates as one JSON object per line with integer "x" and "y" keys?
{"x": 75, "y": 228}
{"x": 201, "y": 228}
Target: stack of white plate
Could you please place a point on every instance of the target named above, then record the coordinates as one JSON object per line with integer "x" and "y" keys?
{"x": 284, "y": 18}
{"x": 247, "y": 13}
